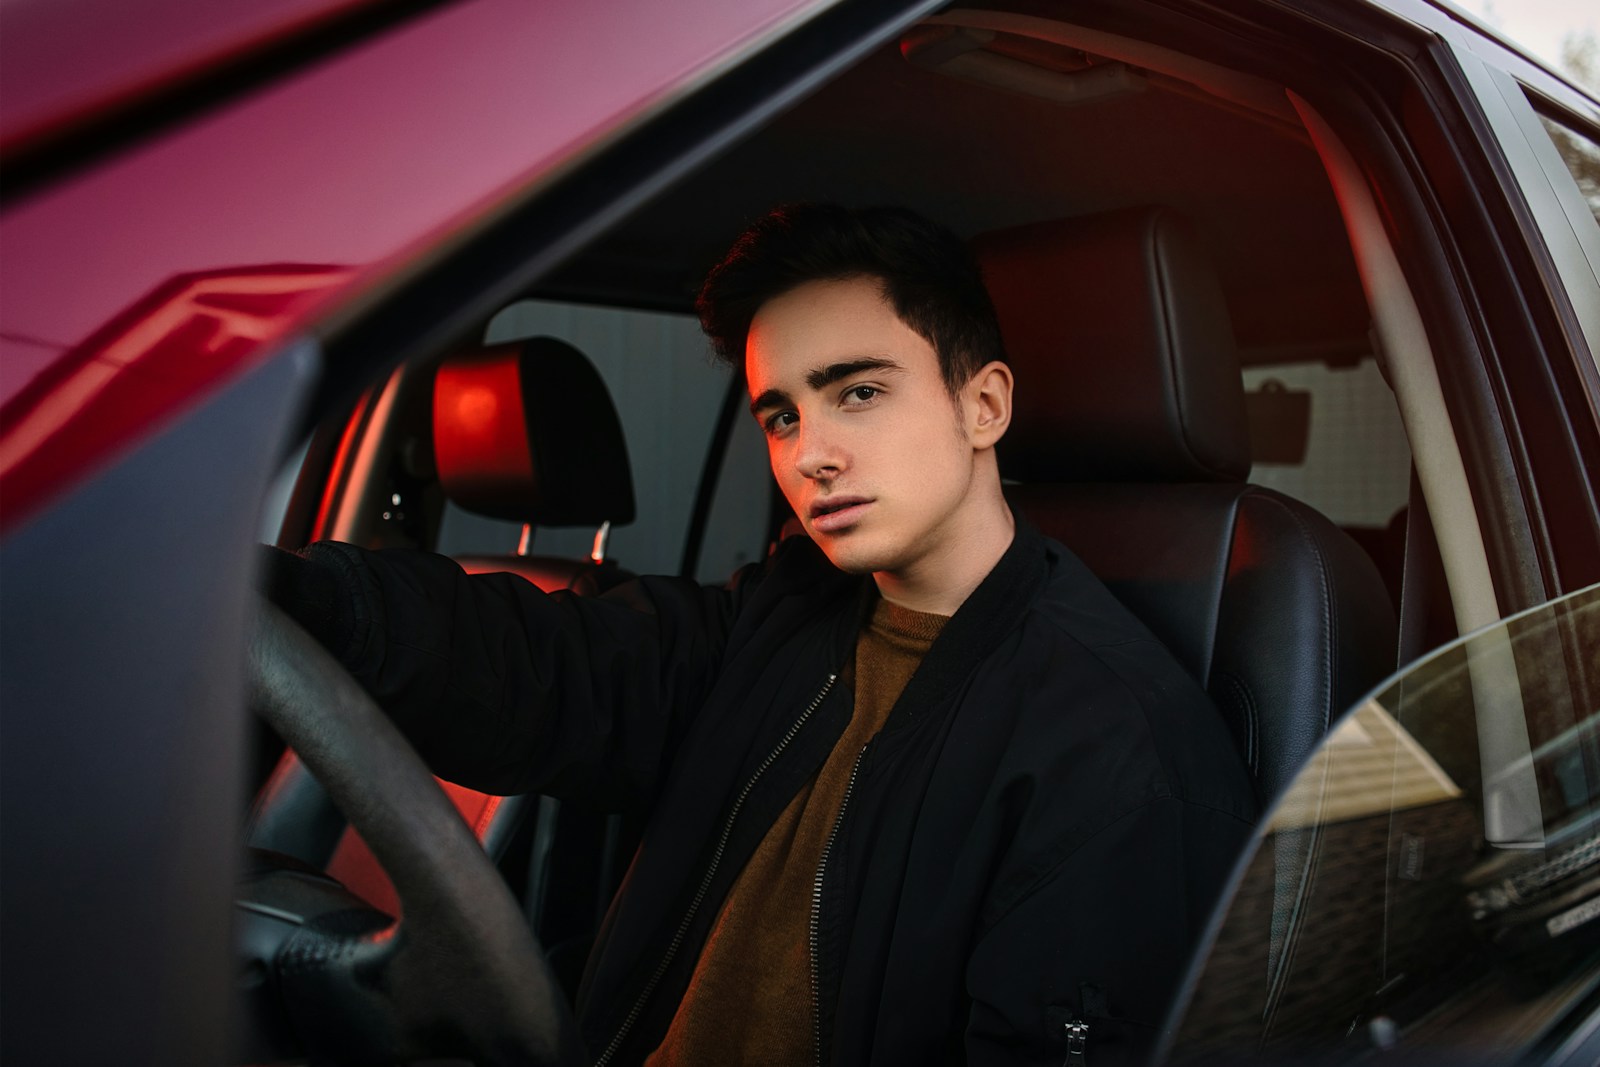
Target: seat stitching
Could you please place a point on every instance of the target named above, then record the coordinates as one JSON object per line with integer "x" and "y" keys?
{"x": 1251, "y": 720}
{"x": 1169, "y": 335}
{"x": 1328, "y": 615}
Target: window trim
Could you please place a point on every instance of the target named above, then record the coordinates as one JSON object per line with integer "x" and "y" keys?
{"x": 1563, "y": 221}
{"x": 1414, "y": 376}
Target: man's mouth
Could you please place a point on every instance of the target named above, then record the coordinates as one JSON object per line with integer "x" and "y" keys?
{"x": 838, "y": 513}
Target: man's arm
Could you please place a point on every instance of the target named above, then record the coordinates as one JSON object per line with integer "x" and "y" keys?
{"x": 1101, "y": 941}
{"x": 505, "y": 688}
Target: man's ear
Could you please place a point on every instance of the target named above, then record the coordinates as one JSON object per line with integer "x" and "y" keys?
{"x": 988, "y": 404}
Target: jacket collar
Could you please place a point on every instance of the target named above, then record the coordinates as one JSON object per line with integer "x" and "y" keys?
{"x": 983, "y": 621}
{"x": 976, "y": 629}
{"x": 972, "y": 634}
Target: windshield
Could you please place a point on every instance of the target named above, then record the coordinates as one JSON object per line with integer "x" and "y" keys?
{"x": 1431, "y": 880}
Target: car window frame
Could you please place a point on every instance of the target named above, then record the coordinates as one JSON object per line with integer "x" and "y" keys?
{"x": 1414, "y": 376}
{"x": 1562, "y": 220}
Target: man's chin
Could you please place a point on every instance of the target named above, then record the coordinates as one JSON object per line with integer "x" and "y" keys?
{"x": 851, "y": 555}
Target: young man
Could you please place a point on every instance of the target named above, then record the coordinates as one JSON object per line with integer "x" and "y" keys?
{"x": 919, "y": 788}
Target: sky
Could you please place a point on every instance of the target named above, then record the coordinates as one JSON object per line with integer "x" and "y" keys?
{"x": 1538, "y": 25}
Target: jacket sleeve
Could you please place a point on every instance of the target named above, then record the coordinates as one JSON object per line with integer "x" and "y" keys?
{"x": 507, "y": 689}
{"x": 1101, "y": 941}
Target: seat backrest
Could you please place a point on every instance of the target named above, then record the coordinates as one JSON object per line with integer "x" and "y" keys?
{"x": 1129, "y": 444}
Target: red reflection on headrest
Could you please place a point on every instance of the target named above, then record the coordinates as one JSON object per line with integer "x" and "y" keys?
{"x": 480, "y": 433}
{"x": 476, "y": 409}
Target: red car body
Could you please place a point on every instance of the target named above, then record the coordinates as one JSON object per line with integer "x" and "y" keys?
{"x": 240, "y": 215}
{"x": 191, "y": 192}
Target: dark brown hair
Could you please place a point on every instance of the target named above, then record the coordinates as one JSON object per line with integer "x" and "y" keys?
{"x": 928, "y": 275}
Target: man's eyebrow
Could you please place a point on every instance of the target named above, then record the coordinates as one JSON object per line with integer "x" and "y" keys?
{"x": 822, "y": 377}
{"x": 834, "y": 372}
{"x": 772, "y": 398}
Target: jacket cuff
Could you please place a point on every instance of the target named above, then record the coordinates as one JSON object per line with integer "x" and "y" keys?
{"x": 311, "y": 589}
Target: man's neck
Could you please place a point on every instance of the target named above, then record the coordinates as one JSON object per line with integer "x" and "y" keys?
{"x": 941, "y": 581}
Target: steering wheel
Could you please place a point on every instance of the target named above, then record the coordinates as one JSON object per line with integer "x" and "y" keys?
{"x": 458, "y": 974}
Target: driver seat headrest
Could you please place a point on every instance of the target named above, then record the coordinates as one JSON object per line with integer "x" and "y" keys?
{"x": 1116, "y": 329}
{"x": 526, "y": 431}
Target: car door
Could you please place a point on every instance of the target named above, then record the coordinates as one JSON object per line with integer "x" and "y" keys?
{"x": 195, "y": 252}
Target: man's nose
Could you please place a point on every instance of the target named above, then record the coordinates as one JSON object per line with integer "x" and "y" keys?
{"x": 817, "y": 453}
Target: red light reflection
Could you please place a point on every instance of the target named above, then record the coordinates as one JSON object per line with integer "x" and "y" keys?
{"x": 158, "y": 356}
{"x": 354, "y": 865}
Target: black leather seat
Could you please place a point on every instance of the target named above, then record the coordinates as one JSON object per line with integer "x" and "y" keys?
{"x": 1129, "y": 444}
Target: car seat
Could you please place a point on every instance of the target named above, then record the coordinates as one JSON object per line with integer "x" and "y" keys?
{"x": 1129, "y": 444}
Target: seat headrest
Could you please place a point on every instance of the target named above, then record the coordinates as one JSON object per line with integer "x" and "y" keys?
{"x": 1124, "y": 358}
{"x": 526, "y": 431}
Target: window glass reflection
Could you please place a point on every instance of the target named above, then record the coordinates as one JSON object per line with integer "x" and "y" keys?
{"x": 1431, "y": 880}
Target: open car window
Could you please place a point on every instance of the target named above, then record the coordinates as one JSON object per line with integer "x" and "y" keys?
{"x": 1451, "y": 824}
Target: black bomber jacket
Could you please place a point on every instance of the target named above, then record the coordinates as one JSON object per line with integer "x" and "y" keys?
{"x": 1028, "y": 850}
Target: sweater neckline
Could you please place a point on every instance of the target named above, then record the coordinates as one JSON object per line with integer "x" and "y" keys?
{"x": 898, "y": 621}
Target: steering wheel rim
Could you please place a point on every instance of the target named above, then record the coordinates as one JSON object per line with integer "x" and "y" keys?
{"x": 459, "y": 971}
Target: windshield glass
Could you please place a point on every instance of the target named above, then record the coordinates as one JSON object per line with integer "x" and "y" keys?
{"x": 1431, "y": 880}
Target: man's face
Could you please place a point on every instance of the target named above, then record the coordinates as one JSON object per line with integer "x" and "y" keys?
{"x": 865, "y": 440}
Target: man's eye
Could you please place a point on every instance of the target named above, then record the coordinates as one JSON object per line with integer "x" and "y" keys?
{"x": 861, "y": 393}
{"x": 781, "y": 420}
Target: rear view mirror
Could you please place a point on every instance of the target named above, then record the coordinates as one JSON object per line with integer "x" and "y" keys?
{"x": 1280, "y": 423}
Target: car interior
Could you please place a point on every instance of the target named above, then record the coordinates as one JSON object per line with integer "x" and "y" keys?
{"x": 1206, "y": 408}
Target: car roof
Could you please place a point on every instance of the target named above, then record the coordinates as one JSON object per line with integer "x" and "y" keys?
{"x": 977, "y": 157}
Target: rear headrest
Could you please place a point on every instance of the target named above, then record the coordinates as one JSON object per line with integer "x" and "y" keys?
{"x": 1117, "y": 333}
{"x": 526, "y": 431}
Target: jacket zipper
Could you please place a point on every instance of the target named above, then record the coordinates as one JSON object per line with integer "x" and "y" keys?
{"x": 1077, "y": 1039}
{"x": 705, "y": 881}
{"x": 816, "y": 908}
